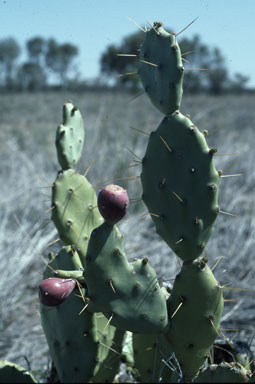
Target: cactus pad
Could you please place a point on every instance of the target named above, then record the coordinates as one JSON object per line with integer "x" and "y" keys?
{"x": 180, "y": 185}
{"x": 70, "y": 137}
{"x": 128, "y": 293}
{"x": 224, "y": 373}
{"x": 195, "y": 307}
{"x": 161, "y": 69}
{"x": 75, "y": 212}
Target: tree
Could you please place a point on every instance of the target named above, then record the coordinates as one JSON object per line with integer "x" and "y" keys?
{"x": 31, "y": 77}
{"x": 59, "y": 58}
{"x": 9, "y": 52}
{"x": 111, "y": 64}
{"x": 36, "y": 50}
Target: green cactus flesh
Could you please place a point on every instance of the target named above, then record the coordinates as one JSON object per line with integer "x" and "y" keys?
{"x": 75, "y": 211}
{"x": 161, "y": 69}
{"x": 70, "y": 137}
{"x": 127, "y": 293}
{"x": 195, "y": 307}
{"x": 83, "y": 346}
{"x": 14, "y": 373}
{"x": 180, "y": 185}
{"x": 224, "y": 373}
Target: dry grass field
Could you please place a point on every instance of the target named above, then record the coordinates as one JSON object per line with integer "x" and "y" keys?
{"x": 29, "y": 166}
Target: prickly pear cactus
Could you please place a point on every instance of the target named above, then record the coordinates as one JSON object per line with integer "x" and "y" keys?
{"x": 70, "y": 137}
{"x": 161, "y": 69}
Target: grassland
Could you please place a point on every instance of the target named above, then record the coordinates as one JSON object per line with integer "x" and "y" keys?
{"x": 29, "y": 166}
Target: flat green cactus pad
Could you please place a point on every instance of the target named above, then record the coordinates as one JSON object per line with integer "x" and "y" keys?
{"x": 195, "y": 307}
{"x": 14, "y": 373}
{"x": 127, "y": 293}
{"x": 180, "y": 185}
{"x": 161, "y": 69}
{"x": 70, "y": 137}
{"x": 75, "y": 211}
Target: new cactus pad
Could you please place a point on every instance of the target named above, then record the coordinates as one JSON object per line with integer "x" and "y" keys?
{"x": 70, "y": 137}
{"x": 161, "y": 69}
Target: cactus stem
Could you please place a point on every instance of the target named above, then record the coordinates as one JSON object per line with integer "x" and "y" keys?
{"x": 177, "y": 309}
{"x": 187, "y": 26}
{"x": 228, "y": 213}
{"x": 139, "y": 130}
{"x": 178, "y": 197}
{"x": 132, "y": 21}
{"x": 149, "y": 63}
{"x": 169, "y": 149}
{"x": 53, "y": 242}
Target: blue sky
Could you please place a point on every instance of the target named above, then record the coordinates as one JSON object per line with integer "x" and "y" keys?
{"x": 94, "y": 24}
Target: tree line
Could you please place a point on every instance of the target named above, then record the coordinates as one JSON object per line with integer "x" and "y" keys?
{"x": 47, "y": 62}
{"x": 51, "y": 64}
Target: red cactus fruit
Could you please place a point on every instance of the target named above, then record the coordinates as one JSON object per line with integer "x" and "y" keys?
{"x": 112, "y": 203}
{"x": 53, "y": 291}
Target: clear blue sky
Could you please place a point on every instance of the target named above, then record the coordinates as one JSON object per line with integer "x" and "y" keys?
{"x": 93, "y": 24}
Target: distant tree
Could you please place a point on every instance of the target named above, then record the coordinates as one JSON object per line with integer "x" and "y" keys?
{"x": 36, "y": 49}
{"x": 239, "y": 83}
{"x": 59, "y": 59}
{"x": 112, "y": 65}
{"x": 31, "y": 77}
{"x": 9, "y": 52}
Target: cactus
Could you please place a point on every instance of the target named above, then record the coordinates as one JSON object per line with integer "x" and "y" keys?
{"x": 224, "y": 373}
{"x": 110, "y": 300}
{"x": 14, "y": 373}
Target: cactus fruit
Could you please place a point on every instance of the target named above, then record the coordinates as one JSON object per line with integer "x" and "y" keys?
{"x": 161, "y": 69}
{"x": 14, "y": 373}
{"x": 75, "y": 212}
{"x": 54, "y": 291}
{"x": 224, "y": 373}
{"x": 180, "y": 185}
{"x": 70, "y": 137}
{"x": 195, "y": 307}
{"x": 128, "y": 293}
{"x": 112, "y": 203}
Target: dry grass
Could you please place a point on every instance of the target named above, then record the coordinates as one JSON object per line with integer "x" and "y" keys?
{"x": 29, "y": 166}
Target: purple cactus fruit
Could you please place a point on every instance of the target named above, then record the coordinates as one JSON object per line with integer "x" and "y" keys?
{"x": 53, "y": 291}
{"x": 112, "y": 203}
